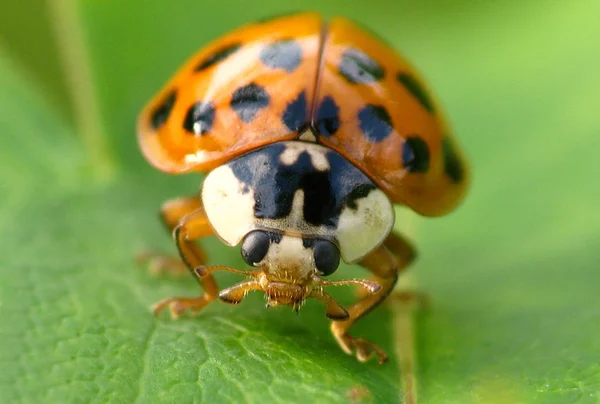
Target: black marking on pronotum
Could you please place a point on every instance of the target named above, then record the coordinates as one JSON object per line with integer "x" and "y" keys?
{"x": 359, "y": 68}
{"x": 295, "y": 115}
{"x": 326, "y": 193}
{"x": 199, "y": 118}
{"x": 245, "y": 189}
{"x": 327, "y": 118}
{"x": 283, "y": 54}
{"x": 416, "y": 90}
{"x": 360, "y": 191}
{"x": 246, "y": 101}
{"x": 452, "y": 165}
{"x": 218, "y": 56}
{"x": 415, "y": 155}
{"x": 375, "y": 122}
{"x": 352, "y": 183}
{"x": 161, "y": 113}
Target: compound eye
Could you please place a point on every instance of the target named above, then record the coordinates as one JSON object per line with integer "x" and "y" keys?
{"x": 255, "y": 246}
{"x": 327, "y": 257}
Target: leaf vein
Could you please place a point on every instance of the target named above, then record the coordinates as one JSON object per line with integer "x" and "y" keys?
{"x": 145, "y": 348}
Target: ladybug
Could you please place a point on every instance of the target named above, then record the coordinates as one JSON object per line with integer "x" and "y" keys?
{"x": 308, "y": 132}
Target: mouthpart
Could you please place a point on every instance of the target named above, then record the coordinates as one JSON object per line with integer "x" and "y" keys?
{"x": 286, "y": 294}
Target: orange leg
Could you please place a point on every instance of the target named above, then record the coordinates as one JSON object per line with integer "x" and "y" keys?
{"x": 401, "y": 248}
{"x": 187, "y": 219}
{"x": 171, "y": 213}
{"x": 235, "y": 294}
{"x": 333, "y": 309}
{"x": 405, "y": 254}
{"x": 386, "y": 263}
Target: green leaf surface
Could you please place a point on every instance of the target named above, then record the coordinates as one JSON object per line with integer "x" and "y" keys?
{"x": 513, "y": 275}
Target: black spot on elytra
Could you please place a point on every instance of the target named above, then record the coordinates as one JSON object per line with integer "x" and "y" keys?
{"x": 415, "y": 155}
{"x": 218, "y": 56}
{"x": 326, "y": 193}
{"x": 375, "y": 122}
{"x": 248, "y": 100}
{"x": 416, "y": 90}
{"x": 452, "y": 165}
{"x": 295, "y": 115}
{"x": 327, "y": 118}
{"x": 199, "y": 118}
{"x": 359, "y": 68}
{"x": 162, "y": 112}
{"x": 284, "y": 54}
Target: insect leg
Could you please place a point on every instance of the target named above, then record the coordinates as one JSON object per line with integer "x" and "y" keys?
{"x": 192, "y": 224}
{"x": 171, "y": 212}
{"x": 386, "y": 263}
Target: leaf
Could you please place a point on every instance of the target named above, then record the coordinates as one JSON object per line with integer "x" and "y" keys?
{"x": 512, "y": 275}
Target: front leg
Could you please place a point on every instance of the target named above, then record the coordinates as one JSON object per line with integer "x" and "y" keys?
{"x": 190, "y": 226}
{"x": 171, "y": 213}
{"x": 386, "y": 263}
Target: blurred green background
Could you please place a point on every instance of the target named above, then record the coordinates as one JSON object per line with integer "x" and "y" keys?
{"x": 513, "y": 274}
